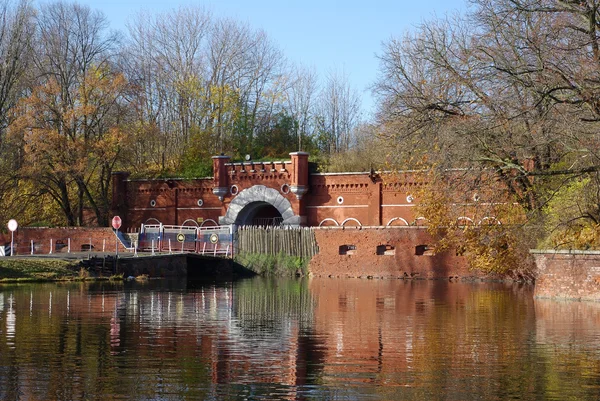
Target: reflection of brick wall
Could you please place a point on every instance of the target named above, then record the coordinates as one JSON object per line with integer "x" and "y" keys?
{"x": 384, "y": 332}
{"x": 568, "y": 275}
{"x": 562, "y": 323}
{"x": 383, "y": 252}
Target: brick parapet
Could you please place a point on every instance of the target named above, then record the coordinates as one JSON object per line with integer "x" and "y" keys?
{"x": 80, "y": 239}
{"x": 355, "y": 198}
{"x": 567, "y": 274}
{"x": 392, "y": 252}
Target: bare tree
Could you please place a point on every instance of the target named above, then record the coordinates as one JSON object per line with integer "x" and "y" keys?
{"x": 338, "y": 112}
{"x": 301, "y": 101}
{"x": 497, "y": 88}
{"x": 165, "y": 58}
{"x": 16, "y": 33}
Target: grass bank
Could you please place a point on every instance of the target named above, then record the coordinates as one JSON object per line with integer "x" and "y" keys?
{"x": 38, "y": 269}
{"x": 278, "y": 265}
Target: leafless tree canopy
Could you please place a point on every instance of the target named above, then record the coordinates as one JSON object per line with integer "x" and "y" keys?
{"x": 513, "y": 85}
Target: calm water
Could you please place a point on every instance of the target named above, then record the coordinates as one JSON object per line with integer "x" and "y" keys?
{"x": 315, "y": 339}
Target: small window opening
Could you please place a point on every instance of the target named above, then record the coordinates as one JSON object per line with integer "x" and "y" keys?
{"x": 347, "y": 249}
{"x": 424, "y": 250}
{"x": 386, "y": 250}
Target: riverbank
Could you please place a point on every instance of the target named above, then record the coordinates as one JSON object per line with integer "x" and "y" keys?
{"x": 39, "y": 269}
{"x": 79, "y": 267}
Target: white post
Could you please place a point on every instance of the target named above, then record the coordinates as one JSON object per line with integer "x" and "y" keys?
{"x": 170, "y": 251}
{"x": 204, "y": 248}
{"x": 152, "y": 247}
{"x": 90, "y": 244}
{"x": 32, "y": 247}
{"x": 160, "y": 235}
{"x": 50, "y": 246}
{"x": 12, "y": 243}
{"x": 182, "y": 243}
{"x": 135, "y": 248}
{"x": 215, "y": 252}
{"x": 68, "y": 245}
{"x": 103, "y": 244}
{"x": 227, "y": 251}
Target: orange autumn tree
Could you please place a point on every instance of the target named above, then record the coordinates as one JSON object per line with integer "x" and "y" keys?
{"x": 470, "y": 212}
{"x": 71, "y": 141}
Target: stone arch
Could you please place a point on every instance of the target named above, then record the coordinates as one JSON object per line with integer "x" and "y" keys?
{"x": 468, "y": 220}
{"x": 258, "y": 195}
{"x": 489, "y": 220}
{"x": 190, "y": 221}
{"x": 397, "y": 219}
{"x": 209, "y": 221}
{"x": 329, "y": 219}
{"x": 351, "y": 219}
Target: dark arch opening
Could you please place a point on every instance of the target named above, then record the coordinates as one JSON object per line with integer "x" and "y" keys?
{"x": 259, "y": 214}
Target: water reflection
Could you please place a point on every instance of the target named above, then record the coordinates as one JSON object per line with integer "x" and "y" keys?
{"x": 294, "y": 339}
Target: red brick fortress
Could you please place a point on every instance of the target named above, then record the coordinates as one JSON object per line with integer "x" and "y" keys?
{"x": 267, "y": 193}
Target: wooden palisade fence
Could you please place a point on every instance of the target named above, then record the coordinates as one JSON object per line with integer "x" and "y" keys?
{"x": 292, "y": 241}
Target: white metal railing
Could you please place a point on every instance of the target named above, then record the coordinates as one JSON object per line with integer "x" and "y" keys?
{"x": 213, "y": 240}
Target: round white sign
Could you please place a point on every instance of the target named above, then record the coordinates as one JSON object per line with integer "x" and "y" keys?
{"x": 12, "y": 225}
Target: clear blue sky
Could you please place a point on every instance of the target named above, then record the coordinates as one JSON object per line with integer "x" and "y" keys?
{"x": 343, "y": 35}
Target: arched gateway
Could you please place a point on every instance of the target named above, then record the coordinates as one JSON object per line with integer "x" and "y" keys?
{"x": 259, "y": 202}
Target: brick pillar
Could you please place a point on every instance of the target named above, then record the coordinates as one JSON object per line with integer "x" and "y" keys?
{"x": 299, "y": 174}
{"x": 299, "y": 185}
{"x": 375, "y": 201}
{"x": 119, "y": 203}
{"x": 220, "y": 179}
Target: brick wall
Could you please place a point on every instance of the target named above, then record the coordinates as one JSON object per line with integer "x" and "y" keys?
{"x": 397, "y": 252}
{"x": 568, "y": 275}
{"x": 80, "y": 238}
{"x": 328, "y": 199}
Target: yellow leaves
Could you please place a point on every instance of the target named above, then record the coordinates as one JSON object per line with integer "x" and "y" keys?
{"x": 571, "y": 216}
{"x": 70, "y": 134}
{"x": 190, "y": 87}
{"x": 486, "y": 232}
